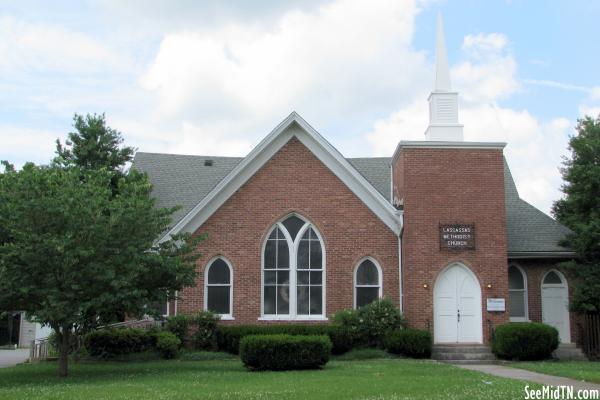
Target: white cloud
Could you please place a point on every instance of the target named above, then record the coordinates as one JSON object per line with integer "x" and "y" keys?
{"x": 326, "y": 62}
{"x": 489, "y": 72}
{"x": 534, "y": 148}
{"x": 20, "y": 145}
{"x": 224, "y": 89}
{"x": 591, "y": 105}
{"x": 592, "y": 111}
{"x": 485, "y": 43}
{"x": 559, "y": 85}
{"x": 408, "y": 123}
{"x": 27, "y": 46}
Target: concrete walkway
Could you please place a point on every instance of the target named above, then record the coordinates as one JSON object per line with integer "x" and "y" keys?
{"x": 10, "y": 358}
{"x": 521, "y": 374}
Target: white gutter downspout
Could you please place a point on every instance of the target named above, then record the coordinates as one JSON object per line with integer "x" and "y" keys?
{"x": 401, "y": 301}
{"x": 176, "y": 297}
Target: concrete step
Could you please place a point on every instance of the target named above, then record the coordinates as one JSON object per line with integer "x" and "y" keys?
{"x": 459, "y": 353}
{"x": 567, "y": 346}
{"x": 464, "y": 356}
{"x": 569, "y": 352}
{"x": 469, "y": 362}
{"x": 461, "y": 349}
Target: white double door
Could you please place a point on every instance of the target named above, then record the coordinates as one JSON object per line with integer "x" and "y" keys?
{"x": 457, "y": 306}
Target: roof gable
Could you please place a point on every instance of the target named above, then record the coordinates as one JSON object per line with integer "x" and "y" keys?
{"x": 292, "y": 126}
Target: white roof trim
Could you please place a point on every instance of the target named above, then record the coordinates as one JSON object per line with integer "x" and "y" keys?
{"x": 430, "y": 144}
{"x": 263, "y": 152}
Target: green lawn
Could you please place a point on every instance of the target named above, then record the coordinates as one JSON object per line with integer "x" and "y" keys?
{"x": 581, "y": 370}
{"x": 226, "y": 378}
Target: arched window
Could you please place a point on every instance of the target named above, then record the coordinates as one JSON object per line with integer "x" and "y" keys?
{"x": 367, "y": 281}
{"x": 552, "y": 278}
{"x": 293, "y": 271}
{"x": 218, "y": 288}
{"x": 517, "y": 293}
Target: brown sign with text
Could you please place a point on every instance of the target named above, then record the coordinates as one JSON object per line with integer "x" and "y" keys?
{"x": 457, "y": 237}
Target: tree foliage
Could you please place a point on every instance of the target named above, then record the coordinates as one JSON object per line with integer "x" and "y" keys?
{"x": 93, "y": 146}
{"x": 579, "y": 210}
{"x": 75, "y": 254}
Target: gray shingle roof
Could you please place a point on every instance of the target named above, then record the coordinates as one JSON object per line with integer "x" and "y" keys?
{"x": 528, "y": 229}
{"x": 179, "y": 180}
{"x": 184, "y": 180}
{"x": 376, "y": 170}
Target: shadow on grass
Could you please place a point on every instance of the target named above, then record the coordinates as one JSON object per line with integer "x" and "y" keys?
{"x": 94, "y": 372}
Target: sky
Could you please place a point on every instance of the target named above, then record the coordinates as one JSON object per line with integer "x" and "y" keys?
{"x": 214, "y": 77}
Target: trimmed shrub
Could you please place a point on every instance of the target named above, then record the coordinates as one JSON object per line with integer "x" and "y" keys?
{"x": 195, "y": 331}
{"x": 525, "y": 341}
{"x": 179, "y": 325}
{"x": 342, "y": 340}
{"x": 379, "y": 319}
{"x": 205, "y": 337}
{"x": 167, "y": 344}
{"x": 410, "y": 343}
{"x": 371, "y": 324}
{"x": 108, "y": 343}
{"x": 284, "y": 352}
{"x": 228, "y": 337}
{"x": 349, "y": 320}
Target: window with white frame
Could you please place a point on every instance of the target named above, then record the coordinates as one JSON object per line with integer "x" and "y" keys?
{"x": 218, "y": 287}
{"x": 367, "y": 282}
{"x": 293, "y": 271}
{"x": 164, "y": 309}
{"x": 517, "y": 293}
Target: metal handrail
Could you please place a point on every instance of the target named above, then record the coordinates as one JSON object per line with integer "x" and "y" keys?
{"x": 41, "y": 349}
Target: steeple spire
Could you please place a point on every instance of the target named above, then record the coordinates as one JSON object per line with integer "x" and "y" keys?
{"x": 442, "y": 72}
{"x": 443, "y": 102}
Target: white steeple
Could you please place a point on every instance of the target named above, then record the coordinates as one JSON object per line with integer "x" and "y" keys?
{"x": 443, "y": 102}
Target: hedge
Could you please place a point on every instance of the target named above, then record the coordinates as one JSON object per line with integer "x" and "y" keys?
{"x": 108, "y": 343}
{"x": 229, "y": 337}
{"x": 524, "y": 341}
{"x": 179, "y": 325}
{"x": 284, "y": 352}
{"x": 167, "y": 344}
{"x": 410, "y": 343}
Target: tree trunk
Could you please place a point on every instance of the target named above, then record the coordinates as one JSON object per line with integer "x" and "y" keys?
{"x": 63, "y": 351}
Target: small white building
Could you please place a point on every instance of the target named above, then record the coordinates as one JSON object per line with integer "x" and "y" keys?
{"x": 18, "y": 329}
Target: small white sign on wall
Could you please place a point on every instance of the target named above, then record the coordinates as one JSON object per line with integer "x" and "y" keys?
{"x": 497, "y": 304}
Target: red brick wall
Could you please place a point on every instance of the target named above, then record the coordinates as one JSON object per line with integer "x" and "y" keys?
{"x": 294, "y": 180}
{"x": 444, "y": 186}
{"x": 535, "y": 270}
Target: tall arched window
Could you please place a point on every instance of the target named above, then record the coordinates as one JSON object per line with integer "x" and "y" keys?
{"x": 218, "y": 291}
{"x": 293, "y": 271}
{"x": 367, "y": 282}
{"x": 517, "y": 293}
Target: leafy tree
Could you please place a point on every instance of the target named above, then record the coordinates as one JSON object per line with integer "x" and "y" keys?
{"x": 93, "y": 145}
{"x": 75, "y": 252}
{"x": 580, "y": 211}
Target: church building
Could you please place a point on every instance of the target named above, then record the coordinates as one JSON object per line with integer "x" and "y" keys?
{"x": 297, "y": 232}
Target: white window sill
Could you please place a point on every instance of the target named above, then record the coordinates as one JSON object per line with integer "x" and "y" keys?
{"x": 288, "y": 318}
{"x": 519, "y": 319}
{"x": 227, "y": 318}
